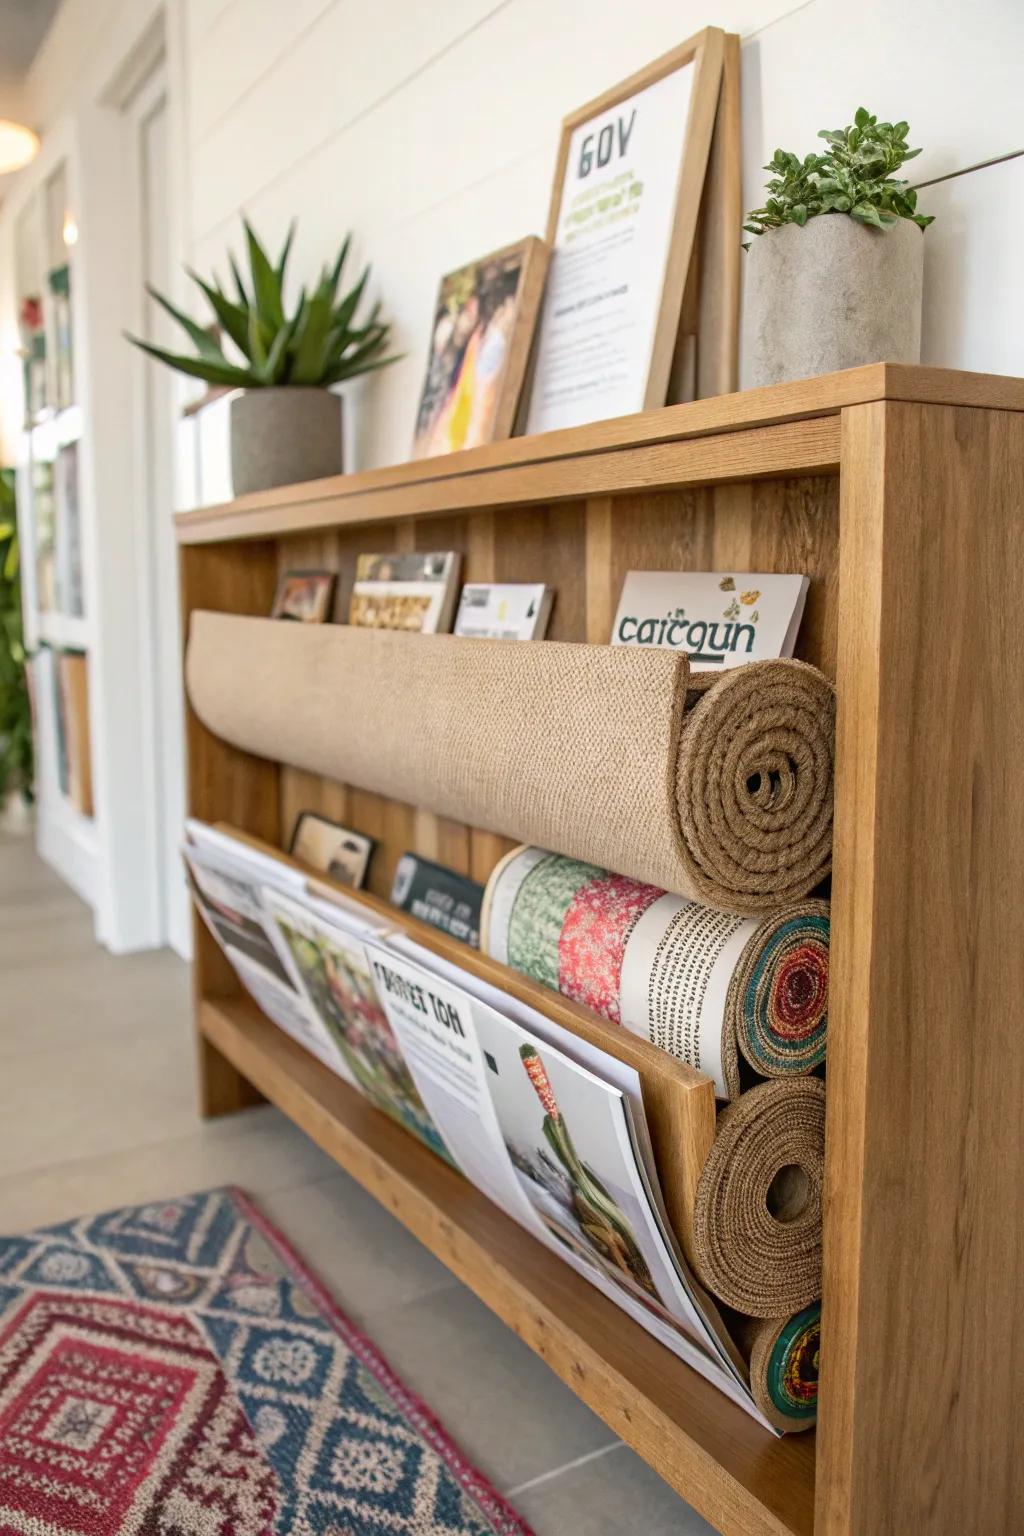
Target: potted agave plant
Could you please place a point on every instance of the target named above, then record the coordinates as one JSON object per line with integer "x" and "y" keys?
{"x": 834, "y": 277}
{"x": 286, "y": 425}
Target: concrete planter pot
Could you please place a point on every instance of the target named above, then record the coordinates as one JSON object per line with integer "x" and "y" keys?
{"x": 284, "y": 435}
{"x": 832, "y": 295}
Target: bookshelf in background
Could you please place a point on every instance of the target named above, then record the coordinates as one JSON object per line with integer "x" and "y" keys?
{"x": 58, "y": 630}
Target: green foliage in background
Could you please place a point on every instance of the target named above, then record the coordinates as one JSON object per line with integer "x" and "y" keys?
{"x": 855, "y": 176}
{"x": 318, "y": 344}
{"x": 15, "y": 712}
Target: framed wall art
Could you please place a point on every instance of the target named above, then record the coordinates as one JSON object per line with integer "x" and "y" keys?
{"x": 622, "y": 227}
{"x": 484, "y": 321}
{"x": 304, "y": 597}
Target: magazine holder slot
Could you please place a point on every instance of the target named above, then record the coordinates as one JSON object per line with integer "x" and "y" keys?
{"x": 587, "y": 750}
{"x": 679, "y": 1102}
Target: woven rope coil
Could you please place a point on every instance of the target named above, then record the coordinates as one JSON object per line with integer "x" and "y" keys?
{"x": 754, "y": 785}
{"x": 784, "y": 1365}
{"x": 757, "y": 1216}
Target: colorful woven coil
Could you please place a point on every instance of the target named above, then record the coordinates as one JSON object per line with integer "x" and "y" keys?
{"x": 784, "y": 1363}
{"x": 701, "y": 984}
{"x": 778, "y": 998}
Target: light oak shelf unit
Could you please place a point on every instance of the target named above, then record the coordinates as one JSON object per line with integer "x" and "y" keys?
{"x": 900, "y": 491}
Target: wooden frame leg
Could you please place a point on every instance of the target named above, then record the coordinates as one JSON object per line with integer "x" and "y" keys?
{"x": 222, "y": 1088}
{"x": 922, "y": 1413}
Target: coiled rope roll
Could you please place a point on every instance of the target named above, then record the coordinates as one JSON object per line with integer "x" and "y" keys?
{"x": 704, "y": 985}
{"x": 757, "y": 1215}
{"x": 754, "y": 784}
{"x": 784, "y": 1363}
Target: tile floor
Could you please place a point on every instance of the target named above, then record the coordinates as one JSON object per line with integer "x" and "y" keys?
{"x": 97, "y": 1110}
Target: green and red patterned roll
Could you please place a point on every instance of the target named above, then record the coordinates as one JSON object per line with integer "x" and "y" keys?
{"x": 704, "y": 985}
{"x": 784, "y": 1364}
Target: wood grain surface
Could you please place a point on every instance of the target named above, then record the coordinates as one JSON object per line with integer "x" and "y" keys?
{"x": 807, "y": 446}
{"x": 583, "y": 550}
{"x": 922, "y": 1410}
{"x": 289, "y": 508}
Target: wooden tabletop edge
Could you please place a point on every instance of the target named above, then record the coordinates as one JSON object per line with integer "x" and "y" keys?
{"x": 771, "y": 405}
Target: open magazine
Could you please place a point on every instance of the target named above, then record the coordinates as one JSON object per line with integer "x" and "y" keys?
{"x": 549, "y": 1127}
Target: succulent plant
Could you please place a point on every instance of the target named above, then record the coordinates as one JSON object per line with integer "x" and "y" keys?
{"x": 318, "y": 344}
{"x": 853, "y": 176}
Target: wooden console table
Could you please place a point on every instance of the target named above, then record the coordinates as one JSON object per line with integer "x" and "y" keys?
{"x": 900, "y": 492}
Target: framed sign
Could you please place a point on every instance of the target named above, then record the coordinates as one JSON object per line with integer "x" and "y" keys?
{"x": 622, "y": 227}
{"x": 484, "y": 321}
{"x": 304, "y": 596}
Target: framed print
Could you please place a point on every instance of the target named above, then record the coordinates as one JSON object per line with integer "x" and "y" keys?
{"x": 338, "y": 851}
{"x": 622, "y": 225}
{"x": 406, "y": 591}
{"x": 304, "y": 597}
{"x": 480, "y": 339}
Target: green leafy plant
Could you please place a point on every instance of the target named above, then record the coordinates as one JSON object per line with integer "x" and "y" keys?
{"x": 318, "y": 344}
{"x": 15, "y": 710}
{"x": 855, "y": 176}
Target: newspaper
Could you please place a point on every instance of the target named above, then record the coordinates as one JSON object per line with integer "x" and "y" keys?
{"x": 228, "y": 883}
{"x": 328, "y": 963}
{"x": 612, "y": 1071}
{"x": 547, "y": 1126}
{"x": 550, "y": 1142}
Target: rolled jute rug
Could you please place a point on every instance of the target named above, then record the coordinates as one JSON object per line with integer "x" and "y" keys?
{"x": 704, "y": 985}
{"x": 757, "y": 1214}
{"x": 783, "y": 1353}
{"x": 754, "y": 784}
{"x": 717, "y": 788}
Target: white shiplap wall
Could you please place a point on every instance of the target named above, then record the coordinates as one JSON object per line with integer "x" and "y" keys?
{"x": 431, "y": 132}
{"x": 428, "y": 130}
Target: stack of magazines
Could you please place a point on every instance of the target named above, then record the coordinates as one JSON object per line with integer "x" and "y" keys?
{"x": 547, "y": 1126}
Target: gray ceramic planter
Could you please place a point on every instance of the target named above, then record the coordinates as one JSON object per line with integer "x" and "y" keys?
{"x": 832, "y": 295}
{"x": 281, "y": 436}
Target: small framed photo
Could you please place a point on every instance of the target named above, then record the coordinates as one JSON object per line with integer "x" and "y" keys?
{"x": 326, "y": 845}
{"x": 305, "y": 597}
{"x": 480, "y": 341}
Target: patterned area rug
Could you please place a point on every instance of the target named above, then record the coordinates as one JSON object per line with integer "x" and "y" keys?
{"x": 174, "y": 1370}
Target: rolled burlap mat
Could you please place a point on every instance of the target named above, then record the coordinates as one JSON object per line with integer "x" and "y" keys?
{"x": 783, "y": 1353}
{"x": 757, "y": 1214}
{"x": 703, "y": 985}
{"x": 719, "y": 790}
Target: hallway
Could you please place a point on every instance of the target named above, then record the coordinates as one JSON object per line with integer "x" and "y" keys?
{"x": 97, "y": 1111}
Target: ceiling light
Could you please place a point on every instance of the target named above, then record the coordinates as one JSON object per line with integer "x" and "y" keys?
{"x": 18, "y": 145}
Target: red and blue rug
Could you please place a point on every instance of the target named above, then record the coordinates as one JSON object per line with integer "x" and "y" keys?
{"x": 174, "y": 1370}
